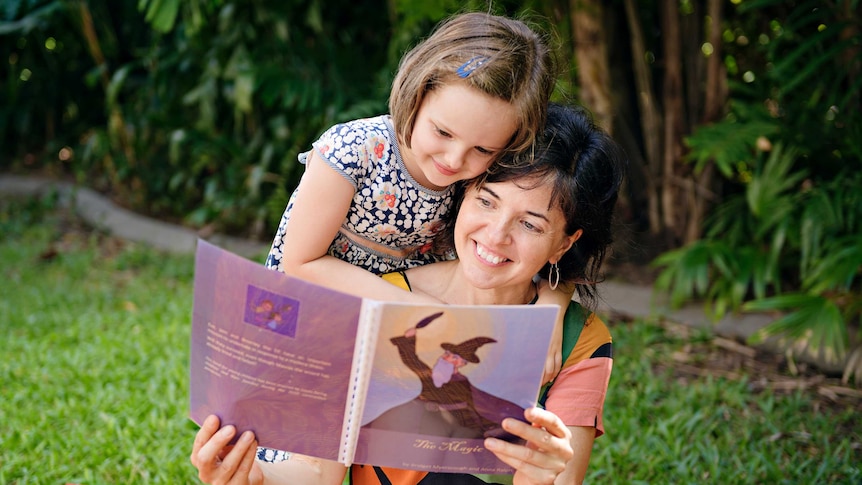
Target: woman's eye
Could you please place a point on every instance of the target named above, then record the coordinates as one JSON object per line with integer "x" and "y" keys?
{"x": 530, "y": 227}
{"x": 483, "y": 202}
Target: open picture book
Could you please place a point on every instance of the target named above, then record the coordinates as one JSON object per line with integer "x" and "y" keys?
{"x": 331, "y": 375}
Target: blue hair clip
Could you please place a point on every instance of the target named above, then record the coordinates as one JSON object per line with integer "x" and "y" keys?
{"x": 468, "y": 67}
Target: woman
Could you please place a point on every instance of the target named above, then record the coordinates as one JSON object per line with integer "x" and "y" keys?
{"x": 551, "y": 218}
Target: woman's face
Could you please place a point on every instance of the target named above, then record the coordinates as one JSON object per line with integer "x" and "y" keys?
{"x": 504, "y": 234}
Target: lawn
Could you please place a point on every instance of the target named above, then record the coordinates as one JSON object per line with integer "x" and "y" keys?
{"x": 94, "y": 377}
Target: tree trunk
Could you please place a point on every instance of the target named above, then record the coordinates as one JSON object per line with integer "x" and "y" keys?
{"x": 714, "y": 99}
{"x": 591, "y": 56}
{"x": 693, "y": 60}
{"x": 116, "y": 123}
{"x": 672, "y": 192}
{"x": 851, "y": 55}
{"x": 650, "y": 116}
{"x": 716, "y": 88}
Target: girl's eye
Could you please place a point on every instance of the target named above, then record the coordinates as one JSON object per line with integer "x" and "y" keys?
{"x": 484, "y": 151}
{"x": 442, "y": 133}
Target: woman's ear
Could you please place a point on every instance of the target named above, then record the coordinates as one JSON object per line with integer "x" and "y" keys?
{"x": 566, "y": 244}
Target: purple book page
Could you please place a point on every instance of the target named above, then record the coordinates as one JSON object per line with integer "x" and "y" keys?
{"x": 270, "y": 353}
{"x": 420, "y": 414}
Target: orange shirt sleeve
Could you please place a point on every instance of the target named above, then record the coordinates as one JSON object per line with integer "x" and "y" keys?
{"x": 578, "y": 393}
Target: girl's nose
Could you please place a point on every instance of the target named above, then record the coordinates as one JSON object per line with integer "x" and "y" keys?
{"x": 455, "y": 157}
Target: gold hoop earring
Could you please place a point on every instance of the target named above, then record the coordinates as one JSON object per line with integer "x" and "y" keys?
{"x": 554, "y": 276}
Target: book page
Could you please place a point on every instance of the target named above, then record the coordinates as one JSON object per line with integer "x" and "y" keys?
{"x": 422, "y": 414}
{"x": 270, "y": 353}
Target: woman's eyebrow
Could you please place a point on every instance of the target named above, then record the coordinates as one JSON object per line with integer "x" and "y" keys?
{"x": 485, "y": 188}
{"x": 539, "y": 215}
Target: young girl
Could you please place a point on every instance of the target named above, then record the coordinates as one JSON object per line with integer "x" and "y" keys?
{"x": 375, "y": 190}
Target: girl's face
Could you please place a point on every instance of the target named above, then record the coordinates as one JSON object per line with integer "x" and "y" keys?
{"x": 504, "y": 234}
{"x": 458, "y": 132}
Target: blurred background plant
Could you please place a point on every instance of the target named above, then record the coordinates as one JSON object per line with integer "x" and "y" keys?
{"x": 741, "y": 120}
{"x": 200, "y": 117}
{"x": 786, "y": 233}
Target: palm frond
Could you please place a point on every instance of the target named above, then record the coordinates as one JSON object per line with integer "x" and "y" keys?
{"x": 814, "y": 322}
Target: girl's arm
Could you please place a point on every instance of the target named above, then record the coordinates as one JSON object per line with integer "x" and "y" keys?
{"x": 582, "y": 444}
{"x": 319, "y": 210}
{"x": 300, "y": 469}
{"x": 561, "y": 297}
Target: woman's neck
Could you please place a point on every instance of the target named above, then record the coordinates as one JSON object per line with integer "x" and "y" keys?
{"x": 445, "y": 282}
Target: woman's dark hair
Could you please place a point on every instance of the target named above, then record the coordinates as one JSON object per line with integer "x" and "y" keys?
{"x": 585, "y": 167}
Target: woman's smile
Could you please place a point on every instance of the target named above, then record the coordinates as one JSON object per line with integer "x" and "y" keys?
{"x": 488, "y": 256}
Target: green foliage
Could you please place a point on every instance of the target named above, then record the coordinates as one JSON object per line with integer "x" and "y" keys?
{"x": 785, "y": 244}
{"x": 200, "y": 117}
{"x": 786, "y": 236}
{"x": 40, "y": 48}
{"x": 713, "y": 270}
{"x": 811, "y": 54}
{"x": 161, "y": 14}
{"x": 830, "y": 333}
{"x": 729, "y": 144}
{"x": 230, "y": 96}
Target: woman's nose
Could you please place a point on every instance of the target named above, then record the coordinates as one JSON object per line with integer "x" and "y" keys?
{"x": 499, "y": 230}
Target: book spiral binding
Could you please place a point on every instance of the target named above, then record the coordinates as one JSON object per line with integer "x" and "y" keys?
{"x": 360, "y": 374}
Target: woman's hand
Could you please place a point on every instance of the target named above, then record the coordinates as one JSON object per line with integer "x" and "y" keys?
{"x": 546, "y": 453}
{"x": 220, "y": 463}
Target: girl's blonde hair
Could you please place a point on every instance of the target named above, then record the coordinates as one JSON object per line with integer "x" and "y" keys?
{"x": 499, "y": 56}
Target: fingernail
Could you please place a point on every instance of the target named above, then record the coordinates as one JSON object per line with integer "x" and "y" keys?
{"x": 228, "y": 430}
{"x": 491, "y": 443}
{"x": 246, "y": 437}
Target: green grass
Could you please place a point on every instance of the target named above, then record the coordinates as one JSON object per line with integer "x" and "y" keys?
{"x": 93, "y": 360}
{"x": 665, "y": 428}
{"x": 94, "y": 378}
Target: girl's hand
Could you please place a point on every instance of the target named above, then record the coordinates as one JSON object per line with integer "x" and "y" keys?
{"x": 562, "y": 296}
{"x": 554, "y": 359}
{"x": 220, "y": 463}
{"x": 546, "y": 453}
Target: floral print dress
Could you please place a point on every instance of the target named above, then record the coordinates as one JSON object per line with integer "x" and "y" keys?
{"x": 389, "y": 207}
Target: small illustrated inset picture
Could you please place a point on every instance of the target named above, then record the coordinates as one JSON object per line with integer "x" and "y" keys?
{"x": 273, "y": 312}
